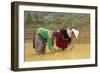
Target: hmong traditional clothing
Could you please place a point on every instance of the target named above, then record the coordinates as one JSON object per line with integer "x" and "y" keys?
{"x": 41, "y": 37}
{"x": 60, "y": 42}
{"x": 64, "y": 37}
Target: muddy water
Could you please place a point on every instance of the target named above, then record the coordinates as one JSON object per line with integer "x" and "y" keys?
{"x": 79, "y": 51}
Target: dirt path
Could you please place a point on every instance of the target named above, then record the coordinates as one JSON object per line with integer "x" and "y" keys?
{"x": 79, "y": 51}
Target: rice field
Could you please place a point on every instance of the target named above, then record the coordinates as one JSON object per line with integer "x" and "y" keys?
{"x": 79, "y": 51}
{"x": 54, "y": 21}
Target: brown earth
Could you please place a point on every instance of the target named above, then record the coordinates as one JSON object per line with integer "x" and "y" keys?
{"x": 79, "y": 51}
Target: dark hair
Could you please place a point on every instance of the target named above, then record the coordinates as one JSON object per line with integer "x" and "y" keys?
{"x": 64, "y": 32}
{"x": 55, "y": 33}
{"x": 65, "y": 35}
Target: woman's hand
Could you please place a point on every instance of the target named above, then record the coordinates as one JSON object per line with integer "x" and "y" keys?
{"x": 53, "y": 50}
